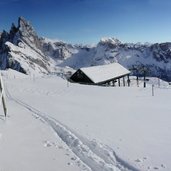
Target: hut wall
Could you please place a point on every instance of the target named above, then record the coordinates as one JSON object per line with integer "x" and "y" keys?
{"x": 80, "y": 77}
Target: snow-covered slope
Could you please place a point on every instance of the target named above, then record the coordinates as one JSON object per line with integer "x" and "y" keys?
{"x": 80, "y": 127}
{"x": 29, "y": 53}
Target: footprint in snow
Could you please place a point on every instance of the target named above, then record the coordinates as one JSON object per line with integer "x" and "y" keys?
{"x": 70, "y": 163}
{"x": 60, "y": 147}
{"x": 73, "y": 158}
{"x": 36, "y": 117}
{"x": 78, "y": 163}
{"x": 163, "y": 166}
{"x": 156, "y": 168}
{"x": 47, "y": 144}
{"x": 144, "y": 158}
{"x": 138, "y": 160}
{"x": 148, "y": 168}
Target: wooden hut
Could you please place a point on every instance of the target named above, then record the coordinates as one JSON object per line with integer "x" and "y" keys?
{"x": 110, "y": 74}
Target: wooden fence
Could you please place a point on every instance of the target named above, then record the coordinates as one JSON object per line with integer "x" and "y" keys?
{"x": 2, "y": 96}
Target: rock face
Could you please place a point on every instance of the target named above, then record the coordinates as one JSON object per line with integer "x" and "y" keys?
{"x": 23, "y": 50}
{"x": 155, "y": 57}
{"x": 20, "y": 49}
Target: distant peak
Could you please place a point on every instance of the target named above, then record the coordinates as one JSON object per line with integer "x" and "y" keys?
{"x": 25, "y": 26}
{"x": 22, "y": 22}
{"x": 48, "y": 40}
{"x": 110, "y": 40}
{"x": 22, "y": 19}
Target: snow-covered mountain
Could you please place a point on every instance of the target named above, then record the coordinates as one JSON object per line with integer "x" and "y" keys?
{"x": 23, "y": 50}
{"x": 20, "y": 50}
{"x": 156, "y": 58}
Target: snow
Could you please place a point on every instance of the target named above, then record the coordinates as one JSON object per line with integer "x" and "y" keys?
{"x": 23, "y": 49}
{"x": 31, "y": 60}
{"x": 110, "y": 40}
{"x": 52, "y": 41}
{"x": 105, "y": 72}
{"x": 55, "y": 126}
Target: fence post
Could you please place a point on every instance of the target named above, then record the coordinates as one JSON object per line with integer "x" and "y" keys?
{"x": 67, "y": 83}
{"x": 4, "y": 106}
{"x": 159, "y": 82}
{"x": 152, "y": 89}
{"x": 3, "y": 96}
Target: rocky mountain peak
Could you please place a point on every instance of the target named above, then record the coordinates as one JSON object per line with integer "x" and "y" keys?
{"x": 112, "y": 41}
{"x": 23, "y": 32}
{"x": 24, "y": 26}
{"x": 26, "y": 31}
{"x": 20, "y": 49}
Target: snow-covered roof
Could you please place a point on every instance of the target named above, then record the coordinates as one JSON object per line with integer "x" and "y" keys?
{"x": 102, "y": 73}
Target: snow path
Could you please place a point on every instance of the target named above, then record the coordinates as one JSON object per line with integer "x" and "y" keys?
{"x": 96, "y": 156}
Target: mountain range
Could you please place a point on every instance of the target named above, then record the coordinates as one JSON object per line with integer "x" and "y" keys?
{"x": 23, "y": 50}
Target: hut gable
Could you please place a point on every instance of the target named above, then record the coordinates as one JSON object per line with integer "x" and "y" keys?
{"x": 81, "y": 77}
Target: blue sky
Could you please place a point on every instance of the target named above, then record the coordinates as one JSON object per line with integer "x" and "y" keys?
{"x": 86, "y": 21}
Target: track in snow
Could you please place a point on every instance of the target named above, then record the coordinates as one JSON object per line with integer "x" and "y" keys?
{"x": 96, "y": 156}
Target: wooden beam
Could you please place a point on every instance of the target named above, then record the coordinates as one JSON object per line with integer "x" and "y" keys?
{"x": 123, "y": 81}
{"x": 128, "y": 81}
{"x": 119, "y": 83}
{"x": 113, "y": 83}
{"x": 137, "y": 81}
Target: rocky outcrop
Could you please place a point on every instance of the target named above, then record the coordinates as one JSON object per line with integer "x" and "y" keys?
{"x": 56, "y": 49}
{"x": 20, "y": 49}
